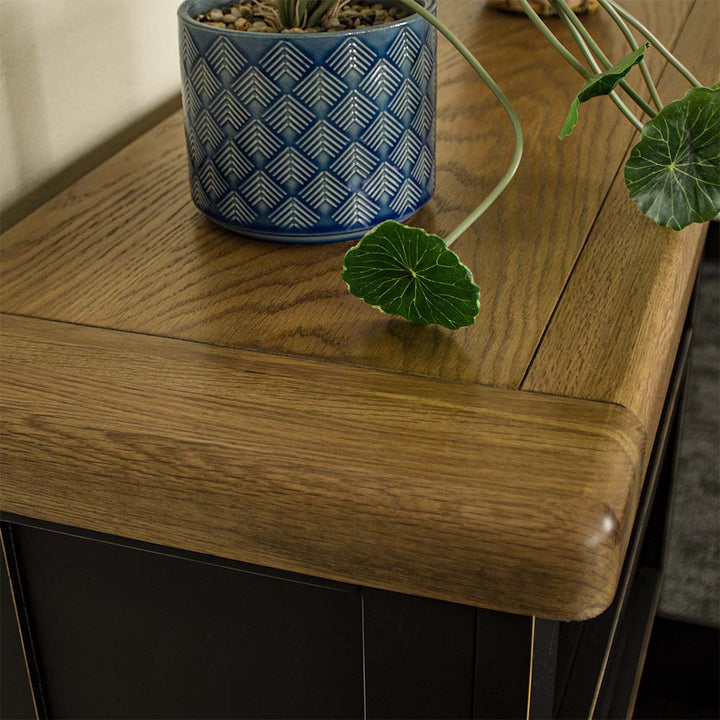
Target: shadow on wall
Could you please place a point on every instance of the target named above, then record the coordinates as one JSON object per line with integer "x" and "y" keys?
{"x": 79, "y": 80}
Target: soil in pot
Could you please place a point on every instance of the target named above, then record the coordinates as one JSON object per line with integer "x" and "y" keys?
{"x": 262, "y": 16}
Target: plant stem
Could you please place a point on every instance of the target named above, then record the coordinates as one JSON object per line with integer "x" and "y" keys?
{"x": 634, "y": 46}
{"x": 572, "y": 21}
{"x": 550, "y": 37}
{"x": 498, "y": 93}
{"x": 537, "y": 21}
{"x": 657, "y": 44}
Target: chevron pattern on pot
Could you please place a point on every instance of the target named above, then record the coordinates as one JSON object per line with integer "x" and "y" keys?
{"x": 310, "y": 138}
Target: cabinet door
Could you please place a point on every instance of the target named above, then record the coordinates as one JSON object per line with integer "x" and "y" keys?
{"x": 126, "y": 633}
{"x": 419, "y": 657}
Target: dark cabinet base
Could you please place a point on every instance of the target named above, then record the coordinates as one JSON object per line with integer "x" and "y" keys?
{"x": 123, "y": 633}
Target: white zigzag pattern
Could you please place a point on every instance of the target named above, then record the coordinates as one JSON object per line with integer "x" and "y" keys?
{"x": 254, "y": 85}
{"x": 195, "y": 149}
{"x": 236, "y": 209}
{"x": 356, "y": 160}
{"x": 232, "y": 162}
{"x": 358, "y": 210}
{"x": 407, "y": 197}
{"x": 198, "y": 194}
{"x": 212, "y": 180}
{"x": 188, "y": 50}
{"x": 351, "y": 55}
{"x": 325, "y": 188}
{"x": 228, "y": 111}
{"x": 259, "y": 188}
{"x": 204, "y": 80}
{"x": 291, "y": 165}
{"x": 385, "y": 130}
{"x": 406, "y": 100}
{"x": 191, "y": 101}
{"x": 383, "y": 78}
{"x": 424, "y": 166}
{"x": 285, "y": 59}
{"x": 223, "y": 55}
{"x": 256, "y": 138}
{"x": 405, "y": 48}
{"x": 322, "y": 138}
{"x": 294, "y": 214}
{"x": 407, "y": 149}
{"x": 288, "y": 114}
{"x": 423, "y": 68}
{"x": 424, "y": 117}
{"x": 320, "y": 85}
{"x": 355, "y": 109}
{"x": 384, "y": 181}
{"x": 207, "y": 130}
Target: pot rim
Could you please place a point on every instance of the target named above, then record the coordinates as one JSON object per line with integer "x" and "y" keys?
{"x": 185, "y": 17}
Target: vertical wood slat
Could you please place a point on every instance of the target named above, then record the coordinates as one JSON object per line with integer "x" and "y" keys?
{"x": 541, "y": 699}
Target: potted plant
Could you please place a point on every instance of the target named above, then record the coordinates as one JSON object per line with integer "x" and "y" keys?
{"x": 672, "y": 173}
{"x": 308, "y": 120}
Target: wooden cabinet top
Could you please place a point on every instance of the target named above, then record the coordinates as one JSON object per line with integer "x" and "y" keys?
{"x": 168, "y": 381}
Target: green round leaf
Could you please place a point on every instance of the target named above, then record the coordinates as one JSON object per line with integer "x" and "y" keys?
{"x": 405, "y": 271}
{"x": 673, "y": 173}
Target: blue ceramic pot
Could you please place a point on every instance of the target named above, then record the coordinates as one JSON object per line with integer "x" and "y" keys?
{"x": 312, "y": 137}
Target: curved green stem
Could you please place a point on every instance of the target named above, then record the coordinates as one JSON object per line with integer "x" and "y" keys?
{"x": 656, "y": 44}
{"x": 572, "y": 21}
{"x": 634, "y": 46}
{"x": 498, "y": 93}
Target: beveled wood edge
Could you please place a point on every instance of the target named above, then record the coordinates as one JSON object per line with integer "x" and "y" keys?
{"x": 120, "y": 433}
{"x": 571, "y": 356}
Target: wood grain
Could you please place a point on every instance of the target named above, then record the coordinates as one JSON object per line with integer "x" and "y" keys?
{"x": 125, "y": 249}
{"x": 617, "y": 329}
{"x": 174, "y": 383}
{"x": 469, "y": 494}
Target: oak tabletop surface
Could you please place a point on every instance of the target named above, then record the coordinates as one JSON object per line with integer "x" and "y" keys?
{"x": 166, "y": 380}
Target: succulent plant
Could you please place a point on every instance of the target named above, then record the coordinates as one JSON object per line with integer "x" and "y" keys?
{"x": 307, "y": 13}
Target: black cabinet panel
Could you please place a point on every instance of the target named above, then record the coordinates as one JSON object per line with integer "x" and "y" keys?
{"x": 503, "y": 665}
{"x": 124, "y": 633}
{"x": 419, "y": 657}
{"x": 15, "y": 694}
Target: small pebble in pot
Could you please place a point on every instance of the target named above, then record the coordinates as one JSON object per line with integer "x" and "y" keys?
{"x": 262, "y": 16}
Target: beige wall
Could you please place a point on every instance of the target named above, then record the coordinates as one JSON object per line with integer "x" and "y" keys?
{"x": 74, "y": 74}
